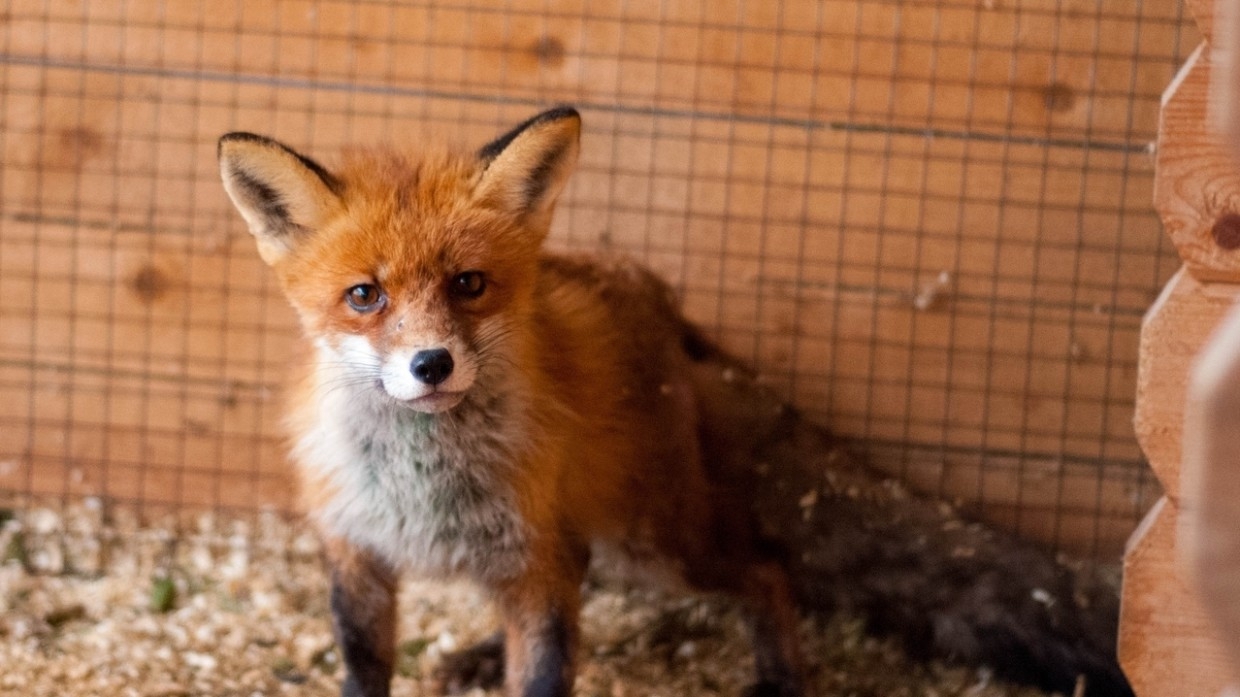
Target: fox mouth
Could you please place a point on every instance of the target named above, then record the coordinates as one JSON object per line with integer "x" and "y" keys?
{"x": 434, "y": 402}
{"x": 438, "y": 400}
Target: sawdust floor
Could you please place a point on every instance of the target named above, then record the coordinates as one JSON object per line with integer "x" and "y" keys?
{"x": 94, "y": 605}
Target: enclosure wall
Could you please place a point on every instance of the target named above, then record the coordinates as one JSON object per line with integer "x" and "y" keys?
{"x": 927, "y": 224}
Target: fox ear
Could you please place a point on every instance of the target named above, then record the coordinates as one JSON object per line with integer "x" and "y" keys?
{"x": 527, "y": 168}
{"x": 282, "y": 195}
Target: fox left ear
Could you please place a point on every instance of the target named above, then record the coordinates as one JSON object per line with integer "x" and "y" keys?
{"x": 283, "y": 196}
{"x": 527, "y": 168}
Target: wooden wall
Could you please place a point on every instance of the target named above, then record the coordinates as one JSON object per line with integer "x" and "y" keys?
{"x": 1169, "y": 639}
{"x": 927, "y": 223}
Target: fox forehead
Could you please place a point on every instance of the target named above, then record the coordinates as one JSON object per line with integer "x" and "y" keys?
{"x": 394, "y": 183}
{"x": 409, "y": 225}
{"x": 407, "y": 220}
{"x": 403, "y": 209}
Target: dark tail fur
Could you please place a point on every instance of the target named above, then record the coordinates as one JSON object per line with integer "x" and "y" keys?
{"x": 859, "y": 543}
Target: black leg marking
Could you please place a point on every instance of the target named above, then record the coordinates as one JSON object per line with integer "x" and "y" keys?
{"x": 767, "y": 688}
{"x": 761, "y": 583}
{"x": 481, "y": 665}
{"x": 776, "y": 674}
{"x": 550, "y": 673}
{"x": 367, "y": 673}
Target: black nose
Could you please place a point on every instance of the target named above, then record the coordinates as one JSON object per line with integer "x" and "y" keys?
{"x": 432, "y": 366}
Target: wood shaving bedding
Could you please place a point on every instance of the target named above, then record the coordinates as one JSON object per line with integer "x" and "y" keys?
{"x": 95, "y": 604}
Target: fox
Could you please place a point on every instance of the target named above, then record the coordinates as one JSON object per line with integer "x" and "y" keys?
{"x": 475, "y": 406}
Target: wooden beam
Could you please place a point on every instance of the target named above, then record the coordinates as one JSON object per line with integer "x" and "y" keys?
{"x": 1174, "y": 329}
{"x": 1167, "y": 645}
{"x": 1211, "y": 481}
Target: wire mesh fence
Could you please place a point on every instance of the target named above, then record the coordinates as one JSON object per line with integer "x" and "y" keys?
{"x": 925, "y": 223}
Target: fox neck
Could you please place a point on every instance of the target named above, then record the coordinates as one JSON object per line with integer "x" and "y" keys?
{"x": 440, "y": 493}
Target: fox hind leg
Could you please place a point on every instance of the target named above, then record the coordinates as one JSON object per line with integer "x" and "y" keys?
{"x": 770, "y": 617}
{"x": 761, "y": 583}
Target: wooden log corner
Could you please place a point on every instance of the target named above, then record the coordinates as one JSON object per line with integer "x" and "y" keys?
{"x": 1196, "y": 182}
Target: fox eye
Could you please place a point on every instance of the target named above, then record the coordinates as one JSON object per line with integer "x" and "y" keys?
{"x": 364, "y": 297}
{"x": 469, "y": 284}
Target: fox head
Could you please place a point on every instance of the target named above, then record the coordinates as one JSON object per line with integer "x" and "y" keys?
{"x": 411, "y": 274}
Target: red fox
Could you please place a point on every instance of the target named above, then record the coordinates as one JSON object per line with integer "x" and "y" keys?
{"x": 478, "y": 407}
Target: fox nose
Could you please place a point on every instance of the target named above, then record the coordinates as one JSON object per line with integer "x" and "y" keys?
{"x": 432, "y": 366}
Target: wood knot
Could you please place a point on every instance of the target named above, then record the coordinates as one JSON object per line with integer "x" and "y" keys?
{"x": 149, "y": 284}
{"x": 78, "y": 144}
{"x": 1226, "y": 231}
{"x": 548, "y": 51}
{"x": 1058, "y": 97}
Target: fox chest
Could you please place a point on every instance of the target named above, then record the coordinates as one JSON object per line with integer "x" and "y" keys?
{"x": 427, "y": 496}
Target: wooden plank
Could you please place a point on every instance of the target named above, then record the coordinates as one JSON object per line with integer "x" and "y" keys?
{"x": 1197, "y": 185}
{"x": 1025, "y": 232}
{"x": 987, "y": 209}
{"x": 1167, "y": 646}
{"x": 905, "y": 65}
{"x": 1210, "y": 485}
{"x": 143, "y": 303}
{"x": 1172, "y": 333}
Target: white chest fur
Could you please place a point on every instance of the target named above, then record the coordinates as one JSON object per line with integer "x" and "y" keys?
{"x": 427, "y": 492}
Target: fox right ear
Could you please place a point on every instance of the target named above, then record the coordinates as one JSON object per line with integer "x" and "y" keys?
{"x": 282, "y": 195}
{"x": 525, "y": 169}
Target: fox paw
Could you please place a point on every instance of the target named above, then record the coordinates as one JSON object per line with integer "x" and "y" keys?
{"x": 773, "y": 688}
{"x": 481, "y": 665}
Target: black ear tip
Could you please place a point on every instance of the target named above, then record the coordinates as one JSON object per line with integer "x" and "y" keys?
{"x": 491, "y": 150}
{"x": 273, "y": 144}
{"x": 563, "y": 111}
{"x": 240, "y": 136}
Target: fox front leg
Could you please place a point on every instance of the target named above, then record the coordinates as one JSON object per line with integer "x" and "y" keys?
{"x": 540, "y": 610}
{"x": 363, "y": 604}
{"x": 541, "y": 656}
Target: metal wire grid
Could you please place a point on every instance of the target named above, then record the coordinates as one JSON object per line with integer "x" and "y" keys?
{"x": 927, "y": 223}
